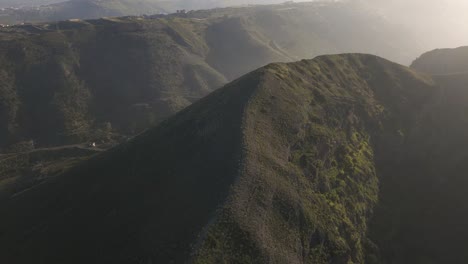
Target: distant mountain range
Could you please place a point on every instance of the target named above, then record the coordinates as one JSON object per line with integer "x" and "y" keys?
{"x": 50, "y": 10}
{"x": 168, "y": 4}
{"x": 422, "y": 19}
{"x": 75, "y": 81}
{"x": 81, "y": 9}
{"x": 26, "y": 3}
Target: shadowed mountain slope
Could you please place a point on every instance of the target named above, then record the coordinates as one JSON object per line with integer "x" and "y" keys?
{"x": 192, "y": 182}
{"x": 423, "y": 191}
{"x": 443, "y": 61}
{"x": 99, "y": 80}
{"x": 320, "y": 161}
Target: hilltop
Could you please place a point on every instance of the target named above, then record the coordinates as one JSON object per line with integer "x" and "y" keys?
{"x": 108, "y": 79}
{"x": 319, "y": 161}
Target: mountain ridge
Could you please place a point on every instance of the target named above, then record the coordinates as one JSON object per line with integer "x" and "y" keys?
{"x": 291, "y": 162}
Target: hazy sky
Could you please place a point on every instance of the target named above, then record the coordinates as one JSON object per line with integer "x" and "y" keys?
{"x": 439, "y": 23}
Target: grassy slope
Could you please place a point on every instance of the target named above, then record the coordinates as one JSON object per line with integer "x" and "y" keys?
{"x": 281, "y": 166}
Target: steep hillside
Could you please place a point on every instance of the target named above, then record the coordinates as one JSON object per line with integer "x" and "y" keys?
{"x": 443, "y": 61}
{"x": 340, "y": 159}
{"x": 75, "y": 81}
{"x": 423, "y": 191}
{"x": 106, "y": 79}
